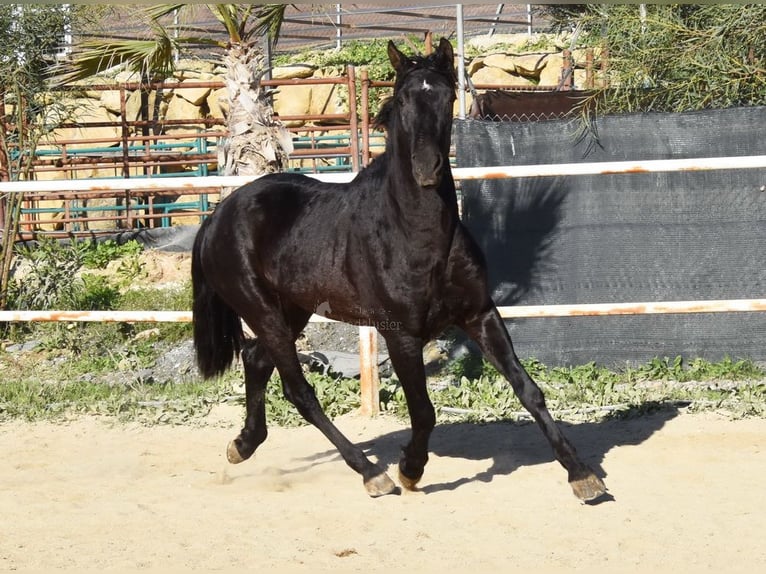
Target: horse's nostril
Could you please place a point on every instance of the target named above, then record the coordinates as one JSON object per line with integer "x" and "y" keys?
{"x": 439, "y": 163}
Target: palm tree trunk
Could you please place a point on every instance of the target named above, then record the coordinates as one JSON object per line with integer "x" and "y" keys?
{"x": 257, "y": 143}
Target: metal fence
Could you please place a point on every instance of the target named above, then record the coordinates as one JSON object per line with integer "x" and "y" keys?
{"x": 367, "y": 334}
{"x": 164, "y": 150}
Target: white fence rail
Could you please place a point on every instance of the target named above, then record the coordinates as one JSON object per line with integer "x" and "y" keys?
{"x": 369, "y": 376}
{"x": 460, "y": 173}
{"x": 515, "y": 312}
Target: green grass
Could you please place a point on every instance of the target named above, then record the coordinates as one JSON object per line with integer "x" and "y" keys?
{"x": 138, "y": 401}
{"x": 65, "y": 383}
{"x": 592, "y": 392}
{"x": 106, "y": 368}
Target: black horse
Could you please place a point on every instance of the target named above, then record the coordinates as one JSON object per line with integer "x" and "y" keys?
{"x": 386, "y": 249}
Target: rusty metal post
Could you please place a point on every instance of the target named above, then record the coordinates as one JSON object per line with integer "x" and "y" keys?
{"x": 567, "y": 71}
{"x": 353, "y": 119}
{"x": 125, "y": 142}
{"x": 365, "y": 113}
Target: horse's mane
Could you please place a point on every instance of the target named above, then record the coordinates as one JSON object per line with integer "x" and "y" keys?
{"x": 417, "y": 62}
{"x": 380, "y": 121}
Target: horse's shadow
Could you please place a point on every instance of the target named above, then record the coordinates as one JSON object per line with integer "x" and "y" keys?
{"x": 508, "y": 446}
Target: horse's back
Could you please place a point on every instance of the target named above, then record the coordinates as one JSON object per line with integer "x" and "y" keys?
{"x": 288, "y": 232}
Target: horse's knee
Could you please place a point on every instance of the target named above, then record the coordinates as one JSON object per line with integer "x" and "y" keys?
{"x": 254, "y": 353}
{"x": 250, "y": 347}
{"x": 301, "y": 396}
{"x": 528, "y": 392}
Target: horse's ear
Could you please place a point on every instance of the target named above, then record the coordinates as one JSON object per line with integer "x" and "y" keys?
{"x": 445, "y": 54}
{"x": 398, "y": 60}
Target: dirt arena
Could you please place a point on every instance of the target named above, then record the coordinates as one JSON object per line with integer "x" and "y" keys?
{"x": 688, "y": 495}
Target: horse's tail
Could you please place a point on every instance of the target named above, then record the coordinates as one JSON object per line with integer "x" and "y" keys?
{"x": 218, "y": 333}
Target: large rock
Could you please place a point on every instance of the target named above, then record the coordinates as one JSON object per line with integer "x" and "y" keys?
{"x": 293, "y": 101}
{"x": 468, "y": 102}
{"x": 501, "y": 61}
{"x": 497, "y": 77}
{"x": 218, "y": 103}
{"x": 125, "y": 77}
{"x": 88, "y": 114}
{"x": 180, "y": 108}
{"x": 474, "y": 65}
{"x": 511, "y": 42}
{"x": 192, "y": 94}
{"x": 550, "y": 75}
{"x": 110, "y": 100}
{"x": 329, "y": 98}
{"x": 75, "y": 207}
{"x": 581, "y": 79}
{"x": 580, "y": 55}
{"x": 530, "y": 66}
{"x": 133, "y": 107}
{"x": 292, "y": 71}
{"x": 194, "y": 69}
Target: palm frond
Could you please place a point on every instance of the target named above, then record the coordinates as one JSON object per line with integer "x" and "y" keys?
{"x": 159, "y": 11}
{"x": 228, "y": 15}
{"x": 151, "y": 57}
{"x": 269, "y": 18}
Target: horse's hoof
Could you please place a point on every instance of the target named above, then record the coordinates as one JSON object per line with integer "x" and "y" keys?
{"x": 588, "y": 487}
{"x": 407, "y": 482}
{"x": 232, "y": 453}
{"x": 380, "y": 485}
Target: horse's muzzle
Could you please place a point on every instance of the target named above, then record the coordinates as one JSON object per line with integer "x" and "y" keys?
{"x": 429, "y": 181}
{"x": 427, "y": 171}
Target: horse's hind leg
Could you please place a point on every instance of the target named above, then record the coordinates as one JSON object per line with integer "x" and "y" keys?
{"x": 258, "y": 368}
{"x": 488, "y": 330}
{"x": 277, "y": 331}
{"x": 406, "y": 355}
{"x": 299, "y": 392}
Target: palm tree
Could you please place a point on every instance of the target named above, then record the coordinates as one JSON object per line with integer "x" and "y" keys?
{"x": 257, "y": 143}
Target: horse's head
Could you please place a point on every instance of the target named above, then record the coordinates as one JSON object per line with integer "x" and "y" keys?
{"x": 419, "y": 115}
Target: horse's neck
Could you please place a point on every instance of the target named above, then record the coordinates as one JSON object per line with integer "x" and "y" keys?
{"x": 430, "y": 212}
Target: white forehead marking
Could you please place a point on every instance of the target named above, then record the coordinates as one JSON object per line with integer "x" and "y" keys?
{"x": 426, "y": 86}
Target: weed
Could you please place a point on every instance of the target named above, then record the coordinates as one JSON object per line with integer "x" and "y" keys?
{"x": 99, "y": 367}
{"x": 66, "y": 384}
{"x": 100, "y": 254}
{"x": 48, "y": 276}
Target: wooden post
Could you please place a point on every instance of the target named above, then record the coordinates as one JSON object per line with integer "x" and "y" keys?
{"x": 368, "y": 364}
{"x": 368, "y": 336}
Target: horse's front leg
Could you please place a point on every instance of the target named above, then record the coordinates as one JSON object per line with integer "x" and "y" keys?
{"x": 406, "y": 355}
{"x": 489, "y": 332}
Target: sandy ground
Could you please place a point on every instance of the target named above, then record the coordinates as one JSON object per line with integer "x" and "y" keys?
{"x": 688, "y": 493}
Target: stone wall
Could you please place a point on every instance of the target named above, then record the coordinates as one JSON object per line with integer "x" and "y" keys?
{"x": 504, "y": 63}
